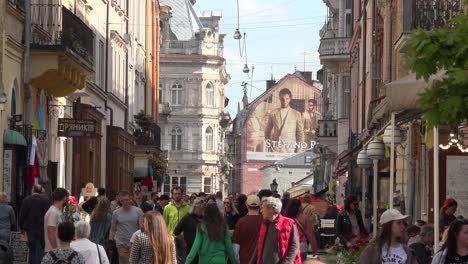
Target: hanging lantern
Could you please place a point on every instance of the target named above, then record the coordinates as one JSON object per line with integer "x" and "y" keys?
{"x": 387, "y": 137}
{"x": 237, "y": 34}
{"x": 246, "y": 68}
{"x": 376, "y": 150}
{"x": 363, "y": 160}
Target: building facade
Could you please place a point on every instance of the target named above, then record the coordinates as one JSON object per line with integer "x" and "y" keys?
{"x": 192, "y": 100}
{"x": 71, "y": 116}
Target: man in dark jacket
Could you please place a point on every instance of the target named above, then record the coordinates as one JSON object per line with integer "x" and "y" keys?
{"x": 422, "y": 243}
{"x": 349, "y": 222}
{"x": 31, "y": 221}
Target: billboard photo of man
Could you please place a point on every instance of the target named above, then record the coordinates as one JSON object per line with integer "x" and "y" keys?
{"x": 310, "y": 121}
{"x": 284, "y": 131}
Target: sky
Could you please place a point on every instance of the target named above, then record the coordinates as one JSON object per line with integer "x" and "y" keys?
{"x": 278, "y": 34}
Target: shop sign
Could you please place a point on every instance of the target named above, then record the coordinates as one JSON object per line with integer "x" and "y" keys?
{"x": 70, "y": 127}
{"x": 7, "y": 167}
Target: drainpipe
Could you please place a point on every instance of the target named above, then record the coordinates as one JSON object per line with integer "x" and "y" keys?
{"x": 363, "y": 73}
{"x": 410, "y": 177}
{"x": 389, "y": 41}
{"x": 126, "y": 76}
{"x": 26, "y": 65}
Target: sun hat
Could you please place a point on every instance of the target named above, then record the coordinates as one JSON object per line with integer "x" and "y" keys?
{"x": 391, "y": 215}
{"x": 253, "y": 201}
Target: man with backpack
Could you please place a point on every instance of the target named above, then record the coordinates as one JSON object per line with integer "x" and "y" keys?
{"x": 64, "y": 254}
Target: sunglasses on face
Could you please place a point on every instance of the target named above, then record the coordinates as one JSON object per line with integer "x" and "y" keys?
{"x": 227, "y": 203}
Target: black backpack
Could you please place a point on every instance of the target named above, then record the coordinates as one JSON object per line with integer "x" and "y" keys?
{"x": 6, "y": 253}
{"x": 62, "y": 261}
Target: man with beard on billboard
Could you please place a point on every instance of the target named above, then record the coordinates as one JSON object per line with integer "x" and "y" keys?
{"x": 285, "y": 128}
{"x": 310, "y": 122}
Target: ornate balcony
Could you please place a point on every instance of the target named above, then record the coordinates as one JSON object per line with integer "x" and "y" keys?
{"x": 430, "y": 14}
{"x": 334, "y": 50}
{"x": 426, "y": 15}
{"x": 61, "y": 49}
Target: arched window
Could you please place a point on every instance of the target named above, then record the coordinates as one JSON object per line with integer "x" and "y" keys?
{"x": 209, "y": 139}
{"x": 176, "y": 139}
{"x": 176, "y": 93}
{"x": 13, "y": 103}
{"x": 209, "y": 94}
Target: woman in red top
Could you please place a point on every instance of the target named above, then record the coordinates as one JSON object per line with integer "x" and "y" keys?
{"x": 305, "y": 227}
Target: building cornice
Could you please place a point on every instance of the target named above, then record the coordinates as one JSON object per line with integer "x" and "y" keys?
{"x": 118, "y": 41}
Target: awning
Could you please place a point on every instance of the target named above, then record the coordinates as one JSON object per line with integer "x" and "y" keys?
{"x": 12, "y": 137}
{"x": 403, "y": 94}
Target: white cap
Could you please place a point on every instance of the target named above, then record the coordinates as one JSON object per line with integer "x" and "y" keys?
{"x": 391, "y": 215}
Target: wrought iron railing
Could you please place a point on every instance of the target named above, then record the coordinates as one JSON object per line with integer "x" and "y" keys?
{"x": 334, "y": 46}
{"x": 27, "y": 131}
{"x": 17, "y": 3}
{"x": 435, "y": 13}
{"x": 54, "y": 26}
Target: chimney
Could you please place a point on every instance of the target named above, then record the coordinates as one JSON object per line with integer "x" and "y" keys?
{"x": 307, "y": 76}
{"x": 270, "y": 84}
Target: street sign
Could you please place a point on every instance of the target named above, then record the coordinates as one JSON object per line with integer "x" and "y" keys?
{"x": 70, "y": 127}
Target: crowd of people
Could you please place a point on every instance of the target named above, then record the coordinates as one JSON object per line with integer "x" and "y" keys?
{"x": 202, "y": 228}
{"x": 130, "y": 228}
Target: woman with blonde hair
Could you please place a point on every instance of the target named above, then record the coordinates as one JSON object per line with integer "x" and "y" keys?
{"x": 155, "y": 244}
{"x": 231, "y": 214}
{"x": 100, "y": 222}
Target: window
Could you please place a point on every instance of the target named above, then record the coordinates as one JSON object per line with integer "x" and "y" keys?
{"x": 172, "y": 181}
{"x": 102, "y": 65}
{"x": 176, "y": 93}
{"x": 176, "y": 139}
{"x": 209, "y": 94}
{"x": 160, "y": 94}
{"x": 207, "y": 184}
{"x": 209, "y": 139}
{"x": 346, "y": 96}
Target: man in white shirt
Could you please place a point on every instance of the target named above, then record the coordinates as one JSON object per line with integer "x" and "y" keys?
{"x": 85, "y": 247}
{"x": 53, "y": 217}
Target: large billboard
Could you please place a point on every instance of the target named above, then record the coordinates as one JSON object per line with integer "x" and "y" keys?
{"x": 283, "y": 122}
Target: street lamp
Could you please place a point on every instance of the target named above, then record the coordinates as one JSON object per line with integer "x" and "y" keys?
{"x": 274, "y": 186}
{"x": 392, "y": 137}
{"x": 363, "y": 162}
{"x": 237, "y": 34}
{"x": 375, "y": 151}
{"x": 246, "y": 69}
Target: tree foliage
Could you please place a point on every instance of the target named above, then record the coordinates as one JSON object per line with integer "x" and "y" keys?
{"x": 444, "y": 48}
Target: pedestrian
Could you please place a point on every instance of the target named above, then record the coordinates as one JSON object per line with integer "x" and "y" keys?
{"x": 64, "y": 254}
{"x": 411, "y": 233}
{"x": 161, "y": 202}
{"x": 93, "y": 201}
{"x": 447, "y": 212}
{"x": 349, "y": 223}
{"x": 91, "y": 252}
{"x": 219, "y": 201}
{"x": 31, "y": 221}
{"x": 188, "y": 225}
{"x": 115, "y": 203}
{"x": 245, "y": 235}
{"x": 175, "y": 210}
{"x": 193, "y": 196}
{"x": 308, "y": 209}
{"x": 285, "y": 201}
{"x": 241, "y": 206}
{"x": 100, "y": 222}
{"x": 422, "y": 244}
{"x": 124, "y": 224}
{"x": 155, "y": 244}
{"x": 53, "y": 217}
{"x": 278, "y": 239}
{"x": 305, "y": 228}
{"x": 388, "y": 247}
{"x": 230, "y": 213}
{"x": 7, "y": 218}
{"x": 455, "y": 248}
{"x": 212, "y": 240}
{"x": 139, "y": 201}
